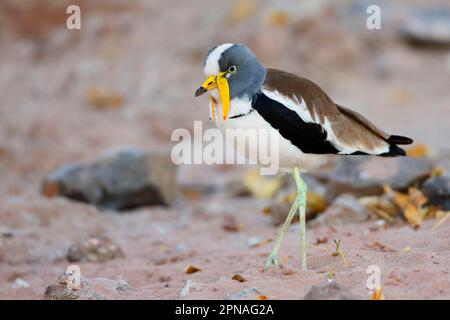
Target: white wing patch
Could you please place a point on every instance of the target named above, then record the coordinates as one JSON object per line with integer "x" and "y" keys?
{"x": 303, "y": 112}
{"x": 346, "y": 149}
{"x": 300, "y": 108}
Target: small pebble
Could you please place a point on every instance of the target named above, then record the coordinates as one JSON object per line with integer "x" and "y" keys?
{"x": 253, "y": 242}
{"x": 20, "y": 283}
{"x": 190, "y": 285}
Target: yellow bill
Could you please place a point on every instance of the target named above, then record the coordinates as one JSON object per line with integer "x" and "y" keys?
{"x": 221, "y": 83}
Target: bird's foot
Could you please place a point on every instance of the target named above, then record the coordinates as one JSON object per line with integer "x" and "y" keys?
{"x": 271, "y": 261}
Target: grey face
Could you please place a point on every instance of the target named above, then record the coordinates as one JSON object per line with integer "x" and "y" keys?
{"x": 248, "y": 75}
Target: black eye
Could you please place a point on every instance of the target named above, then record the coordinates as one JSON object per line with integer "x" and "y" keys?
{"x": 232, "y": 69}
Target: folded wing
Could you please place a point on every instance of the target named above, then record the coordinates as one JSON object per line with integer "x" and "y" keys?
{"x": 313, "y": 115}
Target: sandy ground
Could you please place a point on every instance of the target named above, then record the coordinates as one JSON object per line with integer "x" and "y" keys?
{"x": 150, "y": 54}
{"x": 157, "y": 251}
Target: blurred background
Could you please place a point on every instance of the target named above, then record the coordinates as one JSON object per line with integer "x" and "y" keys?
{"x": 126, "y": 80}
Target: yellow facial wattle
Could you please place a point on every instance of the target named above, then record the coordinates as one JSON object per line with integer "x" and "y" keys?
{"x": 224, "y": 92}
{"x": 220, "y": 81}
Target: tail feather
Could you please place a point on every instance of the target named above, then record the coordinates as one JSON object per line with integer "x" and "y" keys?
{"x": 394, "y": 151}
{"x": 393, "y": 139}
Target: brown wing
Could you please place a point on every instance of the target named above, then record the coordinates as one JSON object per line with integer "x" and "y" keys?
{"x": 346, "y": 129}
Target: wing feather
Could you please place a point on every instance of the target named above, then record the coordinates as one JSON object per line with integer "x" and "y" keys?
{"x": 347, "y": 130}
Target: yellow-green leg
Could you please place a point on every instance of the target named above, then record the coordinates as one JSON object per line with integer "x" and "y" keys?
{"x": 299, "y": 203}
{"x": 301, "y": 198}
{"x": 273, "y": 257}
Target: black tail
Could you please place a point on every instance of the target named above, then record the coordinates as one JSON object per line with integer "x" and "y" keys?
{"x": 393, "y": 139}
{"x": 394, "y": 150}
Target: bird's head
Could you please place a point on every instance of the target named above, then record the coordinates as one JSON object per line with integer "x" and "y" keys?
{"x": 234, "y": 70}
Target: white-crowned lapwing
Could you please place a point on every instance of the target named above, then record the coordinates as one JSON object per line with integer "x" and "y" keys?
{"x": 308, "y": 123}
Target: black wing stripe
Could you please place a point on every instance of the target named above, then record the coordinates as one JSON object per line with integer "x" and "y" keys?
{"x": 308, "y": 137}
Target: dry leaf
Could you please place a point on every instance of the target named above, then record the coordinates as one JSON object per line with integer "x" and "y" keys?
{"x": 264, "y": 242}
{"x": 401, "y": 96}
{"x": 440, "y": 214}
{"x": 437, "y": 172}
{"x": 377, "y": 294}
{"x": 230, "y": 223}
{"x": 406, "y": 249}
{"x": 190, "y": 268}
{"x": 262, "y": 187}
{"x": 416, "y": 197}
{"x": 381, "y": 206}
{"x": 287, "y": 271}
{"x": 278, "y": 19}
{"x": 412, "y": 215}
{"x": 50, "y": 189}
{"x": 378, "y": 246}
{"x": 241, "y": 11}
{"x": 401, "y": 199}
{"x": 103, "y": 98}
{"x": 267, "y": 211}
{"x": 412, "y": 204}
{"x": 239, "y": 278}
{"x": 321, "y": 240}
{"x": 418, "y": 151}
{"x": 261, "y": 297}
{"x": 316, "y": 202}
{"x": 285, "y": 259}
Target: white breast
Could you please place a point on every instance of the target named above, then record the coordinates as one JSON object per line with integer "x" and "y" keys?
{"x": 252, "y": 131}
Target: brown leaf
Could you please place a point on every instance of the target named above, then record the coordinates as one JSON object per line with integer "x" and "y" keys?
{"x": 437, "y": 172}
{"x": 316, "y": 202}
{"x": 278, "y": 19}
{"x": 262, "y": 297}
{"x": 377, "y": 294}
{"x": 401, "y": 199}
{"x": 190, "y": 268}
{"x": 418, "y": 151}
{"x": 263, "y": 187}
{"x": 239, "y": 278}
{"x": 50, "y": 189}
{"x": 381, "y": 206}
{"x": 401, "y": 96}
{"x": 241, "y": 11}
{"x": 103, "y": 98}
{"x": 416, "y": 197}
{"x": 231, "y": 224}
{"x": 378, "y": 246}
{"x": 412, "y": 215}
{"x": 267, "y": 211}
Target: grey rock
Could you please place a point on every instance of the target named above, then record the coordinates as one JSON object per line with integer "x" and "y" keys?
{"x": 437, "y": 189}
{"x": 364, "y": 176}
{"x": 122, "y": 285}
{"x": 330, "y": 291}
{"x": 88, "y": 289}
{"x": 190, "y": 285}
{"x": 242, "y": 294}
{"x": 344, "y": 210}
{"x": 62, "y": 290}
{"x": 98, "y": 249}
{"x": 428, "y": 27}
{"x": 121, "y": 180}
{"x": 253, "y": 241}
{"x": 20, "y": 283}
